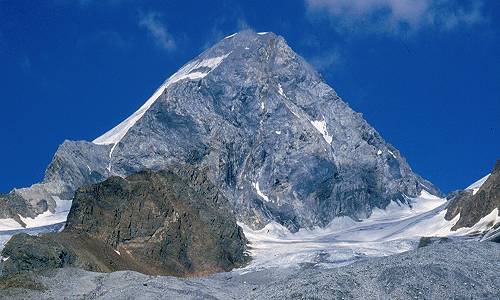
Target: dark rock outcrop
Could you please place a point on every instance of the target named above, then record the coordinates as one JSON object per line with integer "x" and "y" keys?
{"x": 172, "y": 222}
{"x": 430, "y": 240}
{"x": 26, "y": 252}
{"x": 473, "y": 207}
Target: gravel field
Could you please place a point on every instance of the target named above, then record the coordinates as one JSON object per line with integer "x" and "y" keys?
{"x": 455, "y": 270}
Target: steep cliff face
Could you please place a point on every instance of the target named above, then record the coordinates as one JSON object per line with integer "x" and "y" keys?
{"x": 173, "y": 222}
{"x": 277, "y": 140}
{"x": 474, "y": 204}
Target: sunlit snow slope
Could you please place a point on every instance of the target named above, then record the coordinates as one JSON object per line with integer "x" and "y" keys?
{"x": 45, "y": 219}
{"x": 386, "y": 232}
{"x": 476, "y": 185}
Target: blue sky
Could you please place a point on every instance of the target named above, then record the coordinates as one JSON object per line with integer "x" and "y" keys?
{"x": 424, "y": 73}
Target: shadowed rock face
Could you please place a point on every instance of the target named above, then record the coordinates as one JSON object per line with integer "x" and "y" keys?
{"x": 173, "y": 222}
{"x": 277, "y": 140}
{"x": 474, "y": 207}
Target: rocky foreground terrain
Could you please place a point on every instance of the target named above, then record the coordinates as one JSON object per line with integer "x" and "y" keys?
{"x": 173, "y": 222}
{"x": 455, "y": 270}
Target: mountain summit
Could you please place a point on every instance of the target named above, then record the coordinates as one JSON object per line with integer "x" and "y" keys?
{"x": 278, "y": 142}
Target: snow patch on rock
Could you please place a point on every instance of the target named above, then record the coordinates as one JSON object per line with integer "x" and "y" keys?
{"x": 259, "y": 192}
{"x": 320, "y": 125}
{"x": 45, "y": 219}
{"x": 231, "y": 35}
{"x": 280, "y": 90}
{"x": 477, "y": 185}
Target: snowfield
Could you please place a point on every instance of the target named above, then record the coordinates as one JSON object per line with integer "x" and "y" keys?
{"x": 46, "y": 222}
{"x": 45, "y": 219}
{"x": 393, "y": 230}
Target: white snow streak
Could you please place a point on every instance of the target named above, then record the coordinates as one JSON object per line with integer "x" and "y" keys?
{"x": 230, "y": 36}
{"x": 477, "y": 185}
{"x": 256, "y": 186}
{"x": 280, "y": 90}
{"x": 117, "y": 133}
{"x": 321, "y": 127}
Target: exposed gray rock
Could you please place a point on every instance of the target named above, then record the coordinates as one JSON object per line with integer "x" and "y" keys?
{"x": 427, "y": 241}
{"x": 456, "y": 270}
{"x": 278, "y": 141}
{"x": 173, "y": 222}
{"x": 473, "y": 207}
{"x": 12, "y": 205}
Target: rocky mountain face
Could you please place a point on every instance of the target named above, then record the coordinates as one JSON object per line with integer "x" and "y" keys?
{"x": 75, "y": 164}
{"x": 173, "y": 222}
{"x": 277, "y": 140}
{"x": 474, "y": 205}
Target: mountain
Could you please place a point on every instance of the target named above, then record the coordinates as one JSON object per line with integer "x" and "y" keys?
{"x": 172, "y": 222}
{"x": 277, "y": 140}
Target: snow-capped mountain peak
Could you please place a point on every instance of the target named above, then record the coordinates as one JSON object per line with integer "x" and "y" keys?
{"x": 278, "y": 141}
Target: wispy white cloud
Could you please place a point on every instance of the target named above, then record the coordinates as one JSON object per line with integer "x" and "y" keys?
{"x": 220, "y": 30}
{"x": 397, "y": 16}
{"x": 158, "y": 31}
{"x": 326, "y": 60}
